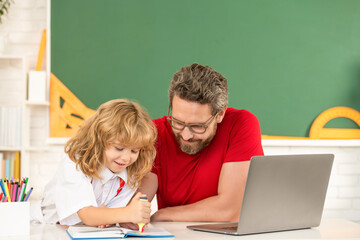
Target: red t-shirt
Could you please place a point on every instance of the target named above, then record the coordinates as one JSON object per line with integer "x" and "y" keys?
{"x": 185, "y": 178}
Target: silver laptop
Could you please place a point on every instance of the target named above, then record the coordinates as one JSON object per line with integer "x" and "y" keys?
{"x": 284, "y": 192}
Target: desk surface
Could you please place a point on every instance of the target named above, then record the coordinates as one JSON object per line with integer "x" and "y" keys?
{"x": 329, "y": 229}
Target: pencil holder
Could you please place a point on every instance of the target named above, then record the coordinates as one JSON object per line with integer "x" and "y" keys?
{"x": 14, "y": 218}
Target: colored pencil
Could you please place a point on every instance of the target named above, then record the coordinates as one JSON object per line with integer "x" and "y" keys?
{"x": 8, "y": 183}
{"x": 13, "y": 191}
{"x": 19, "y": 194}
{"x": 2, "y": 186}
{"x": 7, "y": 193}
{"x": 22, "y": 196}
{"x": 28, "y": 194}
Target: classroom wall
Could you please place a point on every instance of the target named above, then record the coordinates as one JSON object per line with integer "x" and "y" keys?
{"x": 23, "y": 27}
{"x": 285, "y": 61}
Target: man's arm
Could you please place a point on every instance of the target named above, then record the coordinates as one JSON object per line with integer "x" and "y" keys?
{"x": 149, "y": 185}
{"x": 225, "y": 206}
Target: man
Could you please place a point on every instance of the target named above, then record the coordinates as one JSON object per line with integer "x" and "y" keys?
{"x": 203, "y": 150}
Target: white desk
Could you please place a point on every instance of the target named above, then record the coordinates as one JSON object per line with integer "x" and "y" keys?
{"x": 329, "y": 229}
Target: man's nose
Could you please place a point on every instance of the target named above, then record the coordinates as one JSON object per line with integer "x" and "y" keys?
{"x": 186, "y": 134}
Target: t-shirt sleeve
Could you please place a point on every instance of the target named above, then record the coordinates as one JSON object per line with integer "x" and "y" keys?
{"x": 73, "y": 192}
{"x": 160, "y": 126}
{"x": 156, "y": 162}
{"x": 245, "y": 138}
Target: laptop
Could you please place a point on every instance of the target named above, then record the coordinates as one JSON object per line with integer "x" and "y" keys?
{"x": 284, "y": 192}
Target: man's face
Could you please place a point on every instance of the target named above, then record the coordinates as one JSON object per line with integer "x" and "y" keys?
{"x": 193, "y": 113}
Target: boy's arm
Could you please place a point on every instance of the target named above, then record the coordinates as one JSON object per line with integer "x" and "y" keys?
{"x": 137, "y": 211}
{"x": 224, "y": 207}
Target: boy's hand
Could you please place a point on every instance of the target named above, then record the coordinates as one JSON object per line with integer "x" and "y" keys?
{"x": 139, "y": 210}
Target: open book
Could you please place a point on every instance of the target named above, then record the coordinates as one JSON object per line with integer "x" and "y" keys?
{"x": 85, "y": 232}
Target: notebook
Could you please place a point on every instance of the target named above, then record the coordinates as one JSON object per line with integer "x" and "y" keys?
{"x": 85, "y": 232}
{"x": 284, "y": 192}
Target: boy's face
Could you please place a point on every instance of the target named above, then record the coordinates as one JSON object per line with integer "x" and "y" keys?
{"x": 117, "y": 157}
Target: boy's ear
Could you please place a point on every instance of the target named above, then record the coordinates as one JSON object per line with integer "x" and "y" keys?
{"x": 221, "y": 115}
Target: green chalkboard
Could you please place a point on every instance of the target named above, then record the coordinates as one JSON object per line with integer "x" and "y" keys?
{"x": 285, "y": 61}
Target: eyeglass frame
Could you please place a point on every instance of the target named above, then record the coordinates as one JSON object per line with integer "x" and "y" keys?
{"x": 205, "y": 125}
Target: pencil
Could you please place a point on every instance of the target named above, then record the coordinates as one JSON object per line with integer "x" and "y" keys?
{"x": 2, "y": 186}
{"x": 7, "y": 193}
{"x": 8, "y": 183}
{"x": 22, "y": 181}
{"x": 22, "y": 196}
{"x": 12, "y": 185}
{"x": 21, "y": 190}
{"x": 10, "y": 188}
{"x": 28, "y": 194}
{"x": 13, "y": 188}
{"x": 17, "y": 191}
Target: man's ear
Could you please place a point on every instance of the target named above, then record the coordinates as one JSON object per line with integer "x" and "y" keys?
{"x": 221, "y": 115}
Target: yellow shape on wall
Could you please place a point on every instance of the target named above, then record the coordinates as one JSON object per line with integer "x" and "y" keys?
{"x": 67, "y": 112}
{"x": 317, "y": 130}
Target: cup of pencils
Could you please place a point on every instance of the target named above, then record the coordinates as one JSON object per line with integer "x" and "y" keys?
{"x": 14, "y": 206}
{"x": 14, "y": 190}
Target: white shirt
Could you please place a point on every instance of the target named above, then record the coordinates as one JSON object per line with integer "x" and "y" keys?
{"x": 71, "y": 190}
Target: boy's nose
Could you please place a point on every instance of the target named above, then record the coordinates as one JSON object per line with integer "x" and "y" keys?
{"x": 126, "y": 156}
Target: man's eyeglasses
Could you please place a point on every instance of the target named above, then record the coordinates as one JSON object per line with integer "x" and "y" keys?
{"x": 198, "y": 128}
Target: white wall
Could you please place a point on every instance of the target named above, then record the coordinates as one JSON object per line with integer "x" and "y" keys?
{"x": 343, "y": 196}
{"x": 23, "y": 28}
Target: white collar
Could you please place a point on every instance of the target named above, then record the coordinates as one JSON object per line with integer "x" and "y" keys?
{"x": 107, "y": 175}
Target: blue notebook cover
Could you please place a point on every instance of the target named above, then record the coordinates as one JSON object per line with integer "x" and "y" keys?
{"x": 85, "y": 232}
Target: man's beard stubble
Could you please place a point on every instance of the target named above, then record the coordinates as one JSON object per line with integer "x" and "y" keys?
{"x": 193, "y": 149}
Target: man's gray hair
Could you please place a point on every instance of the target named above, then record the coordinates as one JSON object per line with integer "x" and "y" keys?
{"x": 201, "y": 84}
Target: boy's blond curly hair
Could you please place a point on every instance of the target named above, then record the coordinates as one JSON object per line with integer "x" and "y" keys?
{"x": 118, "y": 120}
